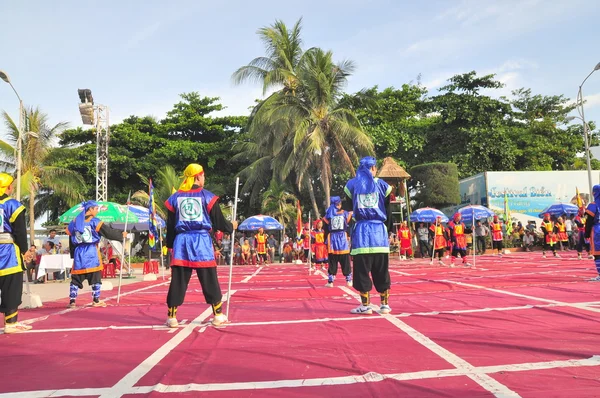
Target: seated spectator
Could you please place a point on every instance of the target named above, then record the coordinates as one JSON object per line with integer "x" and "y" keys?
{"x": 394, "y": 243}
{"x": 288, "y": 252}
{"x": 528, "y": 241}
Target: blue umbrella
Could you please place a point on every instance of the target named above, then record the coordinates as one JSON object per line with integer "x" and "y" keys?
{"x": 143, "y": 216}
{"x": 260, "y": 221}
{"x": 558, "y": 209}
{"x": 475, "y": 211}
{"x": 427, "y": 214}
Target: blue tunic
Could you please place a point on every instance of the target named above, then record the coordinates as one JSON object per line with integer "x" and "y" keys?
{"x": 370, "y": 234}
{"x": 593, "y": 211}
{"x": 193, "y": 245}
{"x": 86, "y": 256}
{"x": 337, "y": 241}
{"x": 10, "y": 254}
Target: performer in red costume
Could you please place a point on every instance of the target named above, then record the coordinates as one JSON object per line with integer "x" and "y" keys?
{"x": 550, "y": 238}
{"x": 438, "y": 235}
{"x": 405, "y": 244}
{"x": 459, "y": 240}
{"x": 496, "y": 229}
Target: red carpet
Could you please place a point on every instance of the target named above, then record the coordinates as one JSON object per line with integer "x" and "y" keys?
{"x": 513, "y": 326}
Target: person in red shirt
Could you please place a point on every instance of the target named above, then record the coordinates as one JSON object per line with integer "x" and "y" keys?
{"x": 405, "y": 241}
{"x": 550, "y": 239}
{"x": 458, "y": 239}
{"x": 438, "y": 235}
{"x": 496, "y": 230}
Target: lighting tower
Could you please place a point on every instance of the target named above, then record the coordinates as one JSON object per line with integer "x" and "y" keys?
{"x": 97, "y": 115}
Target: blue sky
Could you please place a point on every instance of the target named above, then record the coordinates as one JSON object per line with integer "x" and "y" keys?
{"x": 137, "y": 56}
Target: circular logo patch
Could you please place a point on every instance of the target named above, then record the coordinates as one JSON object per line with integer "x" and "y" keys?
{"x": 368, "y": 200}
{"x": 190, "y": 209}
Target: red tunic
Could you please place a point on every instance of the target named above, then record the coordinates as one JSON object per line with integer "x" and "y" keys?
{"x": 439, "y": 241}
{"x": 496, "y": 230}
{"x": 405, "y": 237}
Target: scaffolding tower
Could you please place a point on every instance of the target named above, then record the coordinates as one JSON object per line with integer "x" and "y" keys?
{"x": 97, "y": 115}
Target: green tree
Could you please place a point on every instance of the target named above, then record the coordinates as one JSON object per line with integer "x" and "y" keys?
{"x": 279, "y": 203}
{"x": 435, "y": 184}
{"x": 283, "y": 48}
{"x": 37, "y": 174}
{"x": 141, "y": 145}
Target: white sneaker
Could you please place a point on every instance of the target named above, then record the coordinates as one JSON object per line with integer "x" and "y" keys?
{"x": 329, "y": 284}
{"x": 467, "y": 264}
{"x": 172, "y": 322}
{"x": 590, "y": 257}
{"x": 219, "y": 320}
{"x": 385, "y": 309}
{"x": 431, "y": 263}
{"x": 362, "y": 309}
{"x": 16, "y": 327}
{"x": 349, "y": 283}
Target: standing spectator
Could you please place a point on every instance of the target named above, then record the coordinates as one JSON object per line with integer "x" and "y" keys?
{"x": 481, "y": 232}
{"x": 271, "y": 245}
{"x": 570, "y": 235}
{"x": 424, "y": 246}
{"x": 29, "y": 258}
{"x": 226, "y": 245}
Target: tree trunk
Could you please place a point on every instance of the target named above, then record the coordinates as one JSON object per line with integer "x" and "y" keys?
{"x": 31, "y": 215}
{"x": 313, "y": 200}
{"x": 325, "y": 171}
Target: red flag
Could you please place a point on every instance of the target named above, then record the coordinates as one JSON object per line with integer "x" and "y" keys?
{"x": 298, "y": 220}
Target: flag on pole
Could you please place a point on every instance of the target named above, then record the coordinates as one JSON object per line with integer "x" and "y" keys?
{"x": 579, "y": 200}
{"x": 298, "y": 220}
{"x": 152, "y": 225}
{"x": 507, "y": 217}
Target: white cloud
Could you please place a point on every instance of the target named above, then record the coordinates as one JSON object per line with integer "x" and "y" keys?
{"x": 141, "y": 35}
{"x": 592, "y": 101}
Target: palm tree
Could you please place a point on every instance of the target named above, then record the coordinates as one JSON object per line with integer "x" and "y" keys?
{"x": 283, "y": 55}
{"x": 167, "y": 180}
{"x": 36, "y": 173}
{"x": 324, "y": 132}
{"x": 279, "y": 203}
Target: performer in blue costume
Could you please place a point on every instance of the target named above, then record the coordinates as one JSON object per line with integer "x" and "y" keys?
{"x": 84, "y": 236}
{"x": 592, "y": 228}
{"x": 336, "y": 222}
{"x": 193, "y": 213}
{"x": 13, "y": 243}
{"x": 370, "y": 245}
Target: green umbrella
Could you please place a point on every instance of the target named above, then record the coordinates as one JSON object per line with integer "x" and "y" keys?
{"x": 108, "y": 212}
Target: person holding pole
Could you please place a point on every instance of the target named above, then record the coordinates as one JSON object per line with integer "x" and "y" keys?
{"x": 84, "y": 236}
{"x": 193, "y": 213}
{"x": 458, "y": 239}
{"x": 370, "y": 246}
{"x": 13, "y": 244}
{"x": 336, "y": 223}
{"x": 439, "y": 239}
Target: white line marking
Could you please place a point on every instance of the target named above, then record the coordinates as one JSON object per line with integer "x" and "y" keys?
{"x": 371, "y": 377}
{"x": 42, "y": 318}
{"x": 561, "y": 303}
{"x": 485, "y": 381}
{"x": 126, "y": 383}
{"x": 245, "y": 280}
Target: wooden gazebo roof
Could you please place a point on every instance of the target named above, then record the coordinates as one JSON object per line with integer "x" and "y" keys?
{"x": 392, "y": 170}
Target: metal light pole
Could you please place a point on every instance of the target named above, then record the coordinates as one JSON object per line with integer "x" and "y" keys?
{"x": 4, "y": 76}
{"x": 585, "y": 127}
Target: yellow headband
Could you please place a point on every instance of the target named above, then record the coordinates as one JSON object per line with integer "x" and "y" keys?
{"x": 5, "y": 181}
{"x": 189, "y": 175}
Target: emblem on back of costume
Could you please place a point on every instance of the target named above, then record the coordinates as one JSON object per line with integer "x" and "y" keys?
{"x": 368, "y": 200}
{"x": 337, "y": 223}
{"x": 190, "y": 209}
{"x": 86, "y": 236}
{"x": 1, "y": 220}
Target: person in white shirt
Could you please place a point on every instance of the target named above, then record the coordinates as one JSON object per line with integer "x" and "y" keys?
{"x": 528, "y": 241}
